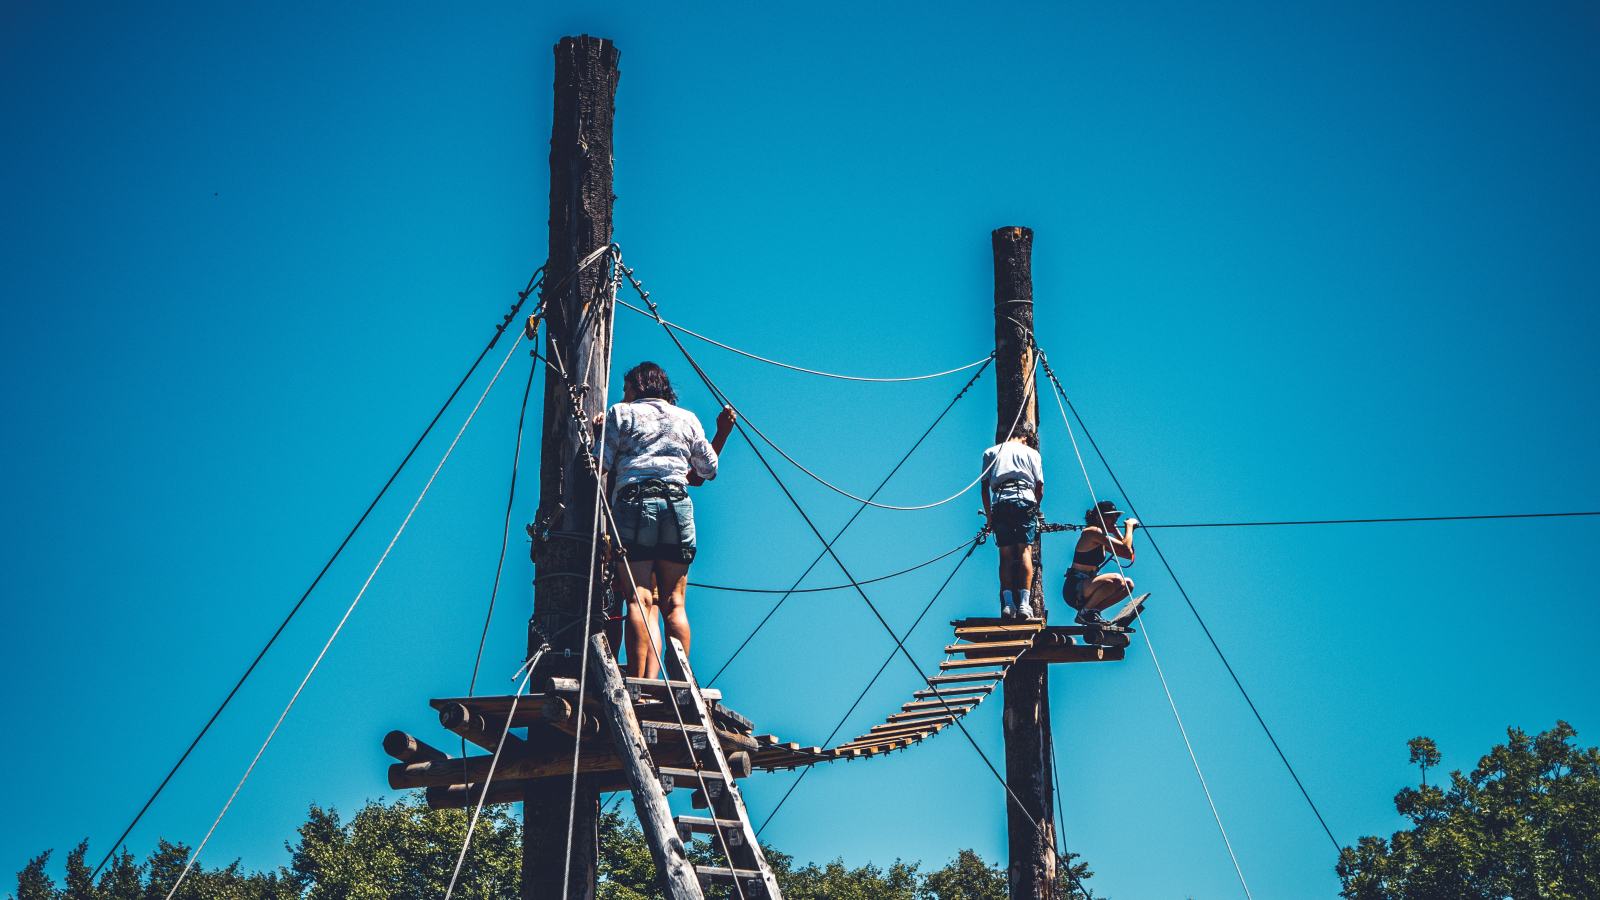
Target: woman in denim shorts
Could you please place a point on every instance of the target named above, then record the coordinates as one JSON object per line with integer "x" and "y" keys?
{"x": 654, "y": 450}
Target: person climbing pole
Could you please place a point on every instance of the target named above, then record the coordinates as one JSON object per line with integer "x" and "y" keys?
{"x": 654, "y": 450}
{"x": 1013, "y": 488}
{"x": 1086, "y": 589}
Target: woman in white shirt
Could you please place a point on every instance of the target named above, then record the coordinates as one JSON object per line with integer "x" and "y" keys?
{"x": 654, "y": 450}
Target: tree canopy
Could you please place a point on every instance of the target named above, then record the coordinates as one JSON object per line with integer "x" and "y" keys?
{"x": 1525, "y": 823}
{"x": 405, "y": 851}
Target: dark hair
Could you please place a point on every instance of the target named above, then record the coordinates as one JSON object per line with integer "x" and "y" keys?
{"x": 1025, "y": 430}
{"x": 651, "y": 382}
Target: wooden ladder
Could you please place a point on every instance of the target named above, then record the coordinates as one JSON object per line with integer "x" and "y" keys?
{"x": 732, "y": 835}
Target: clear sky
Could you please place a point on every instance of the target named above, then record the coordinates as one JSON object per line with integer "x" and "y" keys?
{"x": 1291, "y": 261}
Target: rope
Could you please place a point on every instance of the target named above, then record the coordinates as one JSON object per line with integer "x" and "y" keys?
{"x": 892, "y": 654}
{"x": 1366, "y": 521}
{"x": 499, "y": 330}
{"x": 832, "y": 587}
{"x": 1145, "y": 631}
{"x": 594, "y": 549}
{"x": 483, "y": 797}
{"x": 331, "y": 638}
{"x": 1063, "y": 398}
{"x": 899, "y": 645}
{"x": 774, "y": 362}
{"x": 505, "y": 539}
{"x": 794, "y": 588}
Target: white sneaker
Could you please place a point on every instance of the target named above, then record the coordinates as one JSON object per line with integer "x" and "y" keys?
{"x": 1026, "y": 610}
{"x": 1007, "y": 611}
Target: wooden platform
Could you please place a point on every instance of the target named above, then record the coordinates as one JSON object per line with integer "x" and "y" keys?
{"x": 976, "y": 663}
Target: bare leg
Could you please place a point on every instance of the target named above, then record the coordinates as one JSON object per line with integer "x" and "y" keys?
{"x": 642, "y": 661}
{"x": 1025, "y": 565}
{"x": 1008, "y": 568}
{"x": 1105, "y": 590}
{"x": 673, "y": 578}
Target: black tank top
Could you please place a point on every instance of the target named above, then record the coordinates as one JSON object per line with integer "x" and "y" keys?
{"x": 1095, "y": 556}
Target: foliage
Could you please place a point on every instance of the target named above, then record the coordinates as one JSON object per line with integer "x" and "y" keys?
{"x": 405, "y": 851}
{"x": 1524, "y": 824}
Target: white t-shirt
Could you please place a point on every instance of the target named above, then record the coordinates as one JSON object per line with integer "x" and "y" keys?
{"x": 654, "y": 439}
{"x": 1013, "y": 462}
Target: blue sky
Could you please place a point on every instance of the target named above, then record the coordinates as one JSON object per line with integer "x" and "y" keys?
{"x": 1291, "y": 261}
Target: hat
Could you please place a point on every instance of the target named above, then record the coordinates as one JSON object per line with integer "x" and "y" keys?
{"x": 1104, "y": 508}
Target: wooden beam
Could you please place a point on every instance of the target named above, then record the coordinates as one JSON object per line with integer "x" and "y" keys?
{"x": 1074, "y": 654}
{"x": 977, "y": 663}
{"x": 649, "y": 800}
{"x": 486, "y": 733}
{"x": 997, "y": 648}
{"x": 407, "y": 749}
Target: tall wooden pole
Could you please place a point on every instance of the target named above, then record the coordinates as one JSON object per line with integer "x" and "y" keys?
{"x": 1031, "y": 824}
{"x": 578, "y": 326}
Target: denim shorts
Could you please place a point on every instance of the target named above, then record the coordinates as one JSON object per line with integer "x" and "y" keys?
{"x": 1015, "y": 522}
{"x": 656, "y": 527}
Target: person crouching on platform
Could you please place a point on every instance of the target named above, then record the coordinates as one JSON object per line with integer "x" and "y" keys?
{"x": 1086, "y": 589}
{"x": 653, "y": 451}
{"x": 1013, "y": 487}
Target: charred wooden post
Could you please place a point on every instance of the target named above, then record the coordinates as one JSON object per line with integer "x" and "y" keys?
{"x": 1031, "y": 825}
{"x": 578, "y": 340}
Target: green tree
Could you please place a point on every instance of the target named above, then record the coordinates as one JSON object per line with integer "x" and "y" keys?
{"x": 1525, "y": 823}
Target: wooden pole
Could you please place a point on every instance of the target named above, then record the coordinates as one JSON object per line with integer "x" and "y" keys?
{"x": 1026, "y": 720}
{"x": 578, "y": 326}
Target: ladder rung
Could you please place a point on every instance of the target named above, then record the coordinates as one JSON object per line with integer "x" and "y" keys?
{"x": 693, "y": 774}
{"x": 719, "y": 875}
{"x": 730, "y": 830}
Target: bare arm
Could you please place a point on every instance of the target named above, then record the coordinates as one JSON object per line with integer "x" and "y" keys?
{"x": 725, "y": 420}
{"x": 986, "y": 502}
{"x": 1123, "y": 545}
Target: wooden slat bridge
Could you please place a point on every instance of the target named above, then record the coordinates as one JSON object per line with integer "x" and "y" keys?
{"x": 985, "y": 649}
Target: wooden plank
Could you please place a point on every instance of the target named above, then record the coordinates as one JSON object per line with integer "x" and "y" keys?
{"x": 999, "y": 630}
{"x": 963, "y": 703}
{"x": 956, "y": 677}
{"x": 1074, "y": 654}
{"x": 903, "y": 726}
{"x": 954, "y": 692}
{"x": 984, "y": 621}
{"x": 978, "y": 662}
{"x": 473, "y": 769}
{"x": 1130, "y": 610}
{"x": 489, "y": 705}
{"x": 952, "y": 710}
{"x": 989, "y": 645}
{"x": 408, "y": 749}
{"x": 649, "y": 800}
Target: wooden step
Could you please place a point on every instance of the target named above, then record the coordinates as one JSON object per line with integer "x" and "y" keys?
{"x": 951, "y": 710}
{"x": 957, "y": 677}
{"x": 990, "y": 648}
{"x": 907, "y": 726}
{"x": 977, "y": 663}
{"x": 953, "y": 703}
{"x": 730, "y": 829}
{"x": 955, "y": 692}
{"x": 719, "y": 875}
{"x": 1031, "y": 628}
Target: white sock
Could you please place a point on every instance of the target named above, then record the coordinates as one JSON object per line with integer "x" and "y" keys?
{"x": 1005, "y": 598}
{"x": 1024, "y": 604}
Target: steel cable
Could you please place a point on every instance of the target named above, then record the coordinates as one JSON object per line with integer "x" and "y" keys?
{"x": 499, "y": 330}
